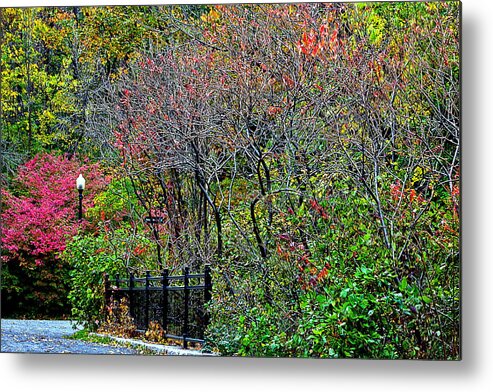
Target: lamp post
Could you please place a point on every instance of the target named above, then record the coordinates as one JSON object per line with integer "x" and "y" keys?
{"x": 81, "y": 184}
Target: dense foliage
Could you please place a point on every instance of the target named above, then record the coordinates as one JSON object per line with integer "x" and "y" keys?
{"x": 39, "y": 216}
{"x": 116, "y": 245}
{"x": 309, "y": 152}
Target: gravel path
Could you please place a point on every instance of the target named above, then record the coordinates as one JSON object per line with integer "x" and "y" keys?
{"x": 47, "y": 336}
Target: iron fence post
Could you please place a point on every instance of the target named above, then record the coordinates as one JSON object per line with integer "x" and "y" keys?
{"x": 165, "y": 284}
{"x": 131, "y": 284}
{"x": 207, "y": 294}
{"x": 207, "y": 283}
{"x": 185, "y": 310}
{"x": 147, "y": 293}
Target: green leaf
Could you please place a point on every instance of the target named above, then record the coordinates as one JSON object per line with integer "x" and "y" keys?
{"x": 403, "y": 284}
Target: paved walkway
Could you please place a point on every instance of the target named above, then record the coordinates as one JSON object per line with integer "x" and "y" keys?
{"x": 47, "y": 336}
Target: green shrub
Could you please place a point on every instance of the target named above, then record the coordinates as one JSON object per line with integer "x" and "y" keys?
{"x": 89, "y": 261}
{"x": 332, "y": 288}
{"x": 37, "y": 292}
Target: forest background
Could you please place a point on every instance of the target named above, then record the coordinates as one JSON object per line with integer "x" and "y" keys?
{"x": 310, "y": 153}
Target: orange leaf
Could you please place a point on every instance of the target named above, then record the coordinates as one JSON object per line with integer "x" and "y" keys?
{"x": 288, "y": 81}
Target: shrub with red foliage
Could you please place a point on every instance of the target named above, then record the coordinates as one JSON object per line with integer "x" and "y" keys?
{"x": 39, "y": 214}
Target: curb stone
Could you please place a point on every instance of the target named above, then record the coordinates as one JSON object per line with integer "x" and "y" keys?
{"x": 158, "y": 348}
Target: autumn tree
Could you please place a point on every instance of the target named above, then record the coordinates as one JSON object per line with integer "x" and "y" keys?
{"x": 39, "y": 215}
{"x": 311, "y": 153}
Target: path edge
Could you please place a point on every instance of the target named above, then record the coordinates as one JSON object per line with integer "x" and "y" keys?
{"x": 158, "y": 348}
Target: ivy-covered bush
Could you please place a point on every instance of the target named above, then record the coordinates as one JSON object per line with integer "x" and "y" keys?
{"x": 117, "y": 244}
{"x": 89, "y": 260}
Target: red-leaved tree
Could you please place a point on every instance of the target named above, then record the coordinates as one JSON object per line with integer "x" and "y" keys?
{"x": 39, "y": 214}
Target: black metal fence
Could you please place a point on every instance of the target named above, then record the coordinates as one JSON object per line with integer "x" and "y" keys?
{"x": 175, "y": 302}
